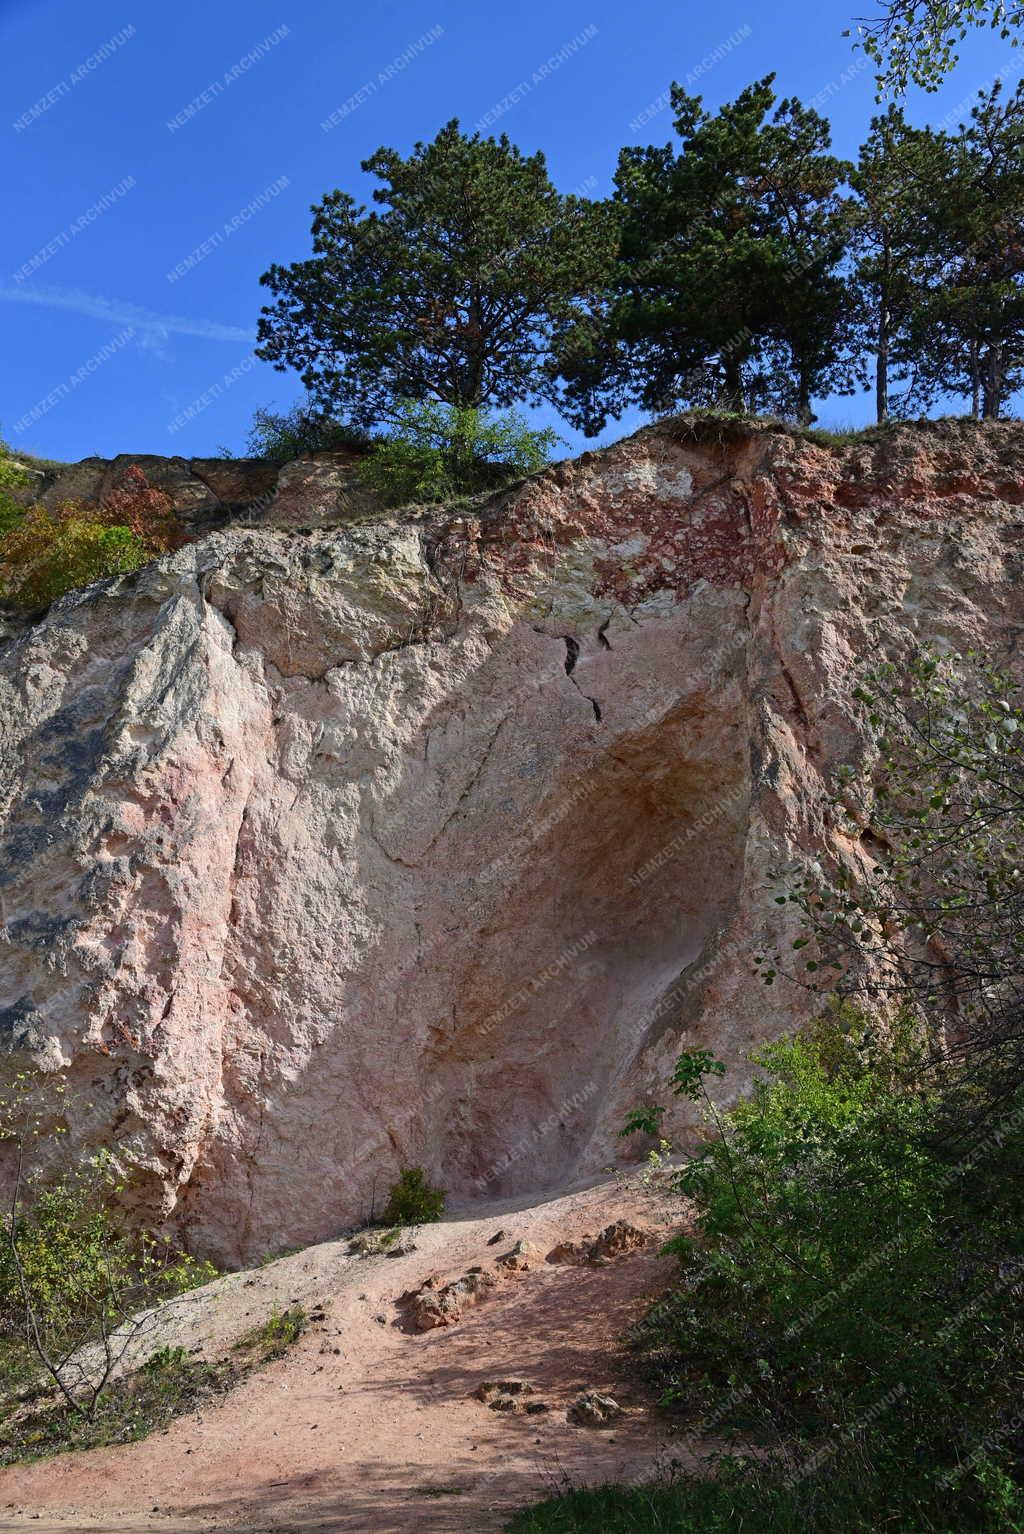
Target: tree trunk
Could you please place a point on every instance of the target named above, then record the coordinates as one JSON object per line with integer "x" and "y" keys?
{"x": 476, "y": 357}
{"x": 882, "y": 366}
{"x": 804, "y": 413}
{"x": 993, "y": 389}
{"x": 733, "y": 374}
{"x": 882, "y": 344}
{"x": 975, "y": 381}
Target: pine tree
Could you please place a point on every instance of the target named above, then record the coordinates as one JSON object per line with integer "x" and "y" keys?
{"x": 727, "y": 288}
{"x": 968, "y": 331}
{"x": 448, "y": 292}
{"x": 893, "y": 243}
{"x": 804, "y": 212}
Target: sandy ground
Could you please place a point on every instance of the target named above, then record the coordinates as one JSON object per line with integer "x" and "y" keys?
{"x": 366, "y": 1426}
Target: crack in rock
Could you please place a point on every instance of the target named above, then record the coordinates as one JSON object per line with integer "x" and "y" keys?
{"x": 572, "y": 654}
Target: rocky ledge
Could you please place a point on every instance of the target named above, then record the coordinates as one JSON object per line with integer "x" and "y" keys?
{"x": 206, "y": 493}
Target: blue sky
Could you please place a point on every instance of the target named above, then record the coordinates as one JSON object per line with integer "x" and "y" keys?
{"x": 159, "y": 158}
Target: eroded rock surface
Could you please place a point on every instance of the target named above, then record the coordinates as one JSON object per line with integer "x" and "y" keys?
{"x": 615, "y": 1240}
{"x": 316, "y": 490}
{"x": 429, "y": 840}
{"x": 594, "y": 1410}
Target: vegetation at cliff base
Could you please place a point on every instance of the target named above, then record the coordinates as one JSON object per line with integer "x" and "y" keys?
{"x": 276, "y": 1335}
{"x": 848, "y": 1311}
{"x": 169, "y": 1384}
{"x": 77, "y": 1278}
{"x": 79, "y": 1281}
{"x": 413, "y": 1200}
{"x": 849, "y": 1307}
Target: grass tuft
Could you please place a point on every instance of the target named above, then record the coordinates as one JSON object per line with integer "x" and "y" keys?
{"x": 276, "y": 1335}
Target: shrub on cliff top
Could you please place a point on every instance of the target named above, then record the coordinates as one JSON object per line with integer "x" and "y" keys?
{"x": 437, "y": 452}
{"x": 46, "y": 553}
{"x": 284, "y": 435}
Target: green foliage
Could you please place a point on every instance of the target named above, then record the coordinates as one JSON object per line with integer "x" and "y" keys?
{"x": 643, "y": 1121}
{"x": 77, "y": 1282}
{"x": 915, "y": 41}
{"x": 74, "y": 1276}
{"x": 966, "y": 334}
{"x": 746, "y": 269}
{"x": 448, "y": 290}
{"x": 169, "y": 1384}
{"x": 45, "y": 553}
{"x": 853, "y": 1283}
{"x": 83, "y": 1270}
{"x": 937, "y": 910}
{"x": 738, "y": 1498}
{"x": 727, "y": 290}
{"x": 437, "y": 452}
{"x": 412, "y": 1200}
{"x": 13, "y": 475}
{"x": 850, "y": 1300}
{"x": 691, "y": 1506}
{"x": 894, "y": 181}
{"x": 72, "y": 1253}
{"x": 283, "y": 435}
{"x": 691, "y": 1068}
{"x": 52, "y": 552}
{"x": 851, "y": 1290}
{"x": 278, "y": 1332}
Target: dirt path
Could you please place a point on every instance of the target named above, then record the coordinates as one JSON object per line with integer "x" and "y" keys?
{"x": 364, "y": 1426}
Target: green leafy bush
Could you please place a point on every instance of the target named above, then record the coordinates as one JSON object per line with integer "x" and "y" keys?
{"x": 848, "y": 1304}
{"x": 436, "y": 452}
{"x": 283, "y": 435}
{"x": 71, "y": 1272}
{"x": 77, "y": 1257}
{"x": 412, "y": 1200}
{"x": 75, "y": 1276}
{"x": 51, "y": 553}
{"x": 13, "y": 475}
{"x": 45, "y": 553}
{"x": 850, "y": 1294}
{"x": 277, "y": 1333}
{"x": 168, "y": 1384}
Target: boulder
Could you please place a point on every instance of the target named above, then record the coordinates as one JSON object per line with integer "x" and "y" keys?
{"x": 593, "y": 1410}
{"x": 320, "y": 490}
{"x": 519, "y": 1259}
{"x": 616, "y": 1240}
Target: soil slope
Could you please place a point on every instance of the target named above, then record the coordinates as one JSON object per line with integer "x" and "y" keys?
{"x": 366, "y": 1425}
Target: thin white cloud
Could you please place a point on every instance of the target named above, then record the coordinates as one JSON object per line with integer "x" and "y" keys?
{"x": 153, "y": 329}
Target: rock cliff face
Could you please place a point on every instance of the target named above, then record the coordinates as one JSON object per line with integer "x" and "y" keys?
{"x": 209, "y": 493}
{"x": 431, "y": 839}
